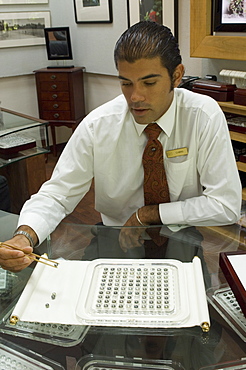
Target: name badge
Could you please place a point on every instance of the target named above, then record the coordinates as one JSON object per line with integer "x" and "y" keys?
{"x": 176, "y": 152}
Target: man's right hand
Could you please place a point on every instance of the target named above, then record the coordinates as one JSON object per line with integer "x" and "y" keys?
{"x": 15, "y": 260}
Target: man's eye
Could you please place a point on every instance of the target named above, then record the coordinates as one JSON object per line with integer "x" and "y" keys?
{"x": 125, "y": 83}
{"x": 150, "y": 83}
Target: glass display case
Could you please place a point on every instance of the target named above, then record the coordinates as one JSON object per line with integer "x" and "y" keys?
{"x": 90, "y": 347}
{"x": 21, "y": 136}
{"x": 23, "y": 153}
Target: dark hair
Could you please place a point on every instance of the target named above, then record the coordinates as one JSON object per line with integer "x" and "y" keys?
{"x": 148, "y": 39}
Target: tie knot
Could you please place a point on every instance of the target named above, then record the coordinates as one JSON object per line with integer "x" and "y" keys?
{"x": 153, "y": 131}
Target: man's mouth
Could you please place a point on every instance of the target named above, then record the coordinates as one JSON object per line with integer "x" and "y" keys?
{"x": 139, "y": 111}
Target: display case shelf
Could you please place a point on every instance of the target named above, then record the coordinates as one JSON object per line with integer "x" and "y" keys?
{"x": 241, "y": 166}
{"x": 238, "y": 136}
{"x": 230, "y": 107}
{"x": 21, "y": 136}
{"x": 23, "y": 162}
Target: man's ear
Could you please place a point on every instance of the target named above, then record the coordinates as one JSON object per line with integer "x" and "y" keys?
{"x": 178, "y": 74}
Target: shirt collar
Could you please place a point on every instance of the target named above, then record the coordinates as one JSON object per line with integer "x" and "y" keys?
{"x": 166, "y": 121}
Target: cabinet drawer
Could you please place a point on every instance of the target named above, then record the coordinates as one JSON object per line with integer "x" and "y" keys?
{"x": 57, "y": 105}
{"x": 54, "y": 86}
{"x": 53, "y": 76}
{"x": 59, "y": 116}
{"x": 55, "y": 96}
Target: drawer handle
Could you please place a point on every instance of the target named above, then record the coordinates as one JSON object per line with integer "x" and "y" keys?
{"x": 55, "y": 106}
{"x": 54, "y": 87}
{"x": 56, "y": 115}
{"x": 54, "y": 96}
{"x": 53, "y": 77}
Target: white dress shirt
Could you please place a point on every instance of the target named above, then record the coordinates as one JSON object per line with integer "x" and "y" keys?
{"x": 108, "y": 144}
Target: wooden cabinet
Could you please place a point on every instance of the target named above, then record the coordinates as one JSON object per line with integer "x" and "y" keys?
{"x": 60, "y": 94}
{"x": 230, "y": 107}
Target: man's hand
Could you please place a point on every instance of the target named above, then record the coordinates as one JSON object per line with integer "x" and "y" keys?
{"x": 130, "y": 235}
{"x": 15, "y": 260}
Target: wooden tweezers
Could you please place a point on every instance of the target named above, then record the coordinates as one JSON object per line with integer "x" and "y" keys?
{"x": 33, "y": 256}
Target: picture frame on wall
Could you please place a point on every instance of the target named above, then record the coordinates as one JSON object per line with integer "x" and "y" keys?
{"x": 15, "y": 2}
{"x": 93, "y": 11}
{"x": 229, "y": 16}
{"x": 161, "y": 11}
{"x": 23, "y": 28}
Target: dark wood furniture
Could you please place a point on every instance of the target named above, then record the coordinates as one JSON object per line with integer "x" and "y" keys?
{"x": 60, "y": 94}
{"x": 230, "y": 107}
{"x": 231, "y": 269}
{"x": 25, "y": 171}
{"x": 24, "y": 179}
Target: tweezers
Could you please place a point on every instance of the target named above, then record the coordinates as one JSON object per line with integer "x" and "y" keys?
{"x": 34, "y": 257}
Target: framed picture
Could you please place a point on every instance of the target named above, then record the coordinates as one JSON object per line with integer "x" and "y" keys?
{"x": 93, "y": 11}
{"x": 23, "y": 28}
{"x": 229, "y": 16}
{"x": 15, "y": 2}
{"x": 58, "y": 43}
{"x": 160, "y": 11}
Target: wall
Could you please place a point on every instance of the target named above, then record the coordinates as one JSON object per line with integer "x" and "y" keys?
{"x": 18, "y": 93}
{"x": 92, "y": 44}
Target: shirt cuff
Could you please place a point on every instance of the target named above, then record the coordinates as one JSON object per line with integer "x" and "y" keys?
{"x": 36, "y": 223}
{"x": 171, "y": 213}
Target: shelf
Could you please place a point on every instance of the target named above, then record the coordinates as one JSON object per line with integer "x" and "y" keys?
{"x": 230, "y": 107}
{"x": 244, "y": 194}
{"x": 241, "y": 166}
{"x": 24, "y": 154}
{"x": 238, "y": 136}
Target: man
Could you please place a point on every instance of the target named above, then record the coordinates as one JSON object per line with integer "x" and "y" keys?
{"x": 108, "y": 145}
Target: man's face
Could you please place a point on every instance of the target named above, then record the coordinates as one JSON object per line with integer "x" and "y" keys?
{"x": 146, "y": 86}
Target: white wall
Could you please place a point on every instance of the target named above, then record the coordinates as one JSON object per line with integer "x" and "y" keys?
{"x": 19, "y": 93}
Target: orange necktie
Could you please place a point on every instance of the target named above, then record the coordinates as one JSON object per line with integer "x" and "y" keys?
{"x": 155, "y": 182}
{"x": 155, "y": 185}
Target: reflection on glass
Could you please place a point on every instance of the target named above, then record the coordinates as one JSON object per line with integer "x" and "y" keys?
{"x": 58, "y": 43}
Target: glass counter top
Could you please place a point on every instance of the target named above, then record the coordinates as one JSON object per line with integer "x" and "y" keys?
{"x": 185, "y": 348}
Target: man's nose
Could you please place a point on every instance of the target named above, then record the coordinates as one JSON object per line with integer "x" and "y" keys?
{"x": 137, "y": 95}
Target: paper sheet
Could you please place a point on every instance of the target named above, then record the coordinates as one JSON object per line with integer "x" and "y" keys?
{"x": 65, "y": 281}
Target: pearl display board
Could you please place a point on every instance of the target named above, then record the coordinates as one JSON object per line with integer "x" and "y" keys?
{"x": 161, "y": 293}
